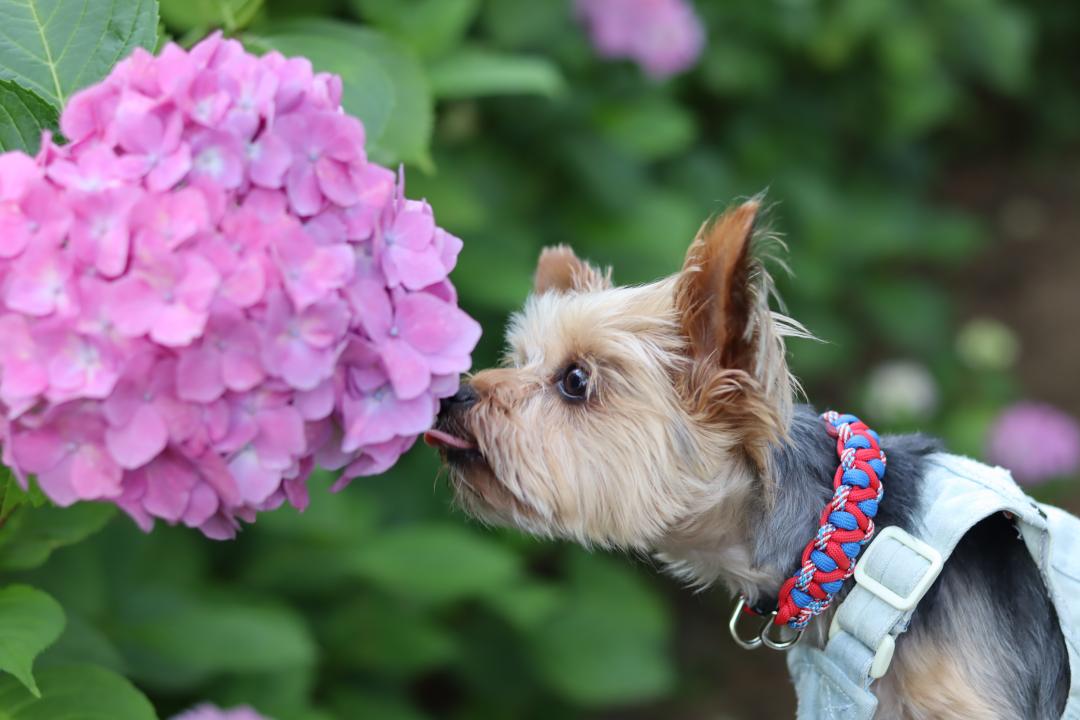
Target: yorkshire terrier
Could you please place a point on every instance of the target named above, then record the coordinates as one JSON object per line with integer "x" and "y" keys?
{"x": 663, "y": 419}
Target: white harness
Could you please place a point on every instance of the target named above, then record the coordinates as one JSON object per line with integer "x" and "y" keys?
{"x": 897, "y": 569}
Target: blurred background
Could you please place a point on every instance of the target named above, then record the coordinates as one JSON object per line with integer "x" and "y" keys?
{"x": 922, "y": 162}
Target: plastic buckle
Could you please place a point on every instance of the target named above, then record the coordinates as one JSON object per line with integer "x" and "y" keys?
{"x": 909, "y": 601}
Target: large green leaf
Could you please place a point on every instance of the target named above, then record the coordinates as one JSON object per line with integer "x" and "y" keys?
{"x": 174, "y": 640}
{"x": 384, "y": 84}
{"x": 471, "y": 72}
{"x": 55, "y": 47}
{"x": 435, "y": 562}
{"x": 31, "y": 534}
{"x": 30, "y": 621}
{"x": 75, "y": 692}
{"x": 23, "y": 115}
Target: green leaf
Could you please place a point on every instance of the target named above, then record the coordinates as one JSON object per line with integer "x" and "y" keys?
{"x": 384, "y": 84}
{"x": 185, "y": 15}
{"x": 23, "y": 115}
{"x": 31, "y": 534}
{"x": 82, "y": 692}
{"x": 473, "y": 72}
{"x": 607, "y": 643}
{"x": 55, "y": 47}
{"x": 648, "y": 128}
{"x": 435, "y": 562}
{"x": 431, "y": 27}
{"x": 174, "y": 640}
{"x": 30, "y": 621}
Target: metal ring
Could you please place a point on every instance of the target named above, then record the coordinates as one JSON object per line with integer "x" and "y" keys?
{"x": 779, "y": 644}
{"x": 733, "y": 627}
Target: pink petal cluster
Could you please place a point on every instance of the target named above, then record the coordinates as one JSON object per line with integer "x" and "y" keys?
{"x": 1036, "y": 441}
{"x": 209, "y": 290}
{"x": 664, "y": 37}
{"x": 207, "y": 711}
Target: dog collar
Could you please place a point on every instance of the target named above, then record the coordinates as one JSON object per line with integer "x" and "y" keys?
{"x": 846, "y": 526}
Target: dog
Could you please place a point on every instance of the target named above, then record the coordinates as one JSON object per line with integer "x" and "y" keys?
{"x": 663, "y": 419}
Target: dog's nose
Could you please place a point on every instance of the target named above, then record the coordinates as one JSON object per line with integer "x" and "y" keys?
{"x": 463, "y": 399}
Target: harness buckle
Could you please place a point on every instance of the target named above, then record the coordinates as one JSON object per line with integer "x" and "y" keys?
{"x": 878, "y": 588}
{"x": 763, "y": 636}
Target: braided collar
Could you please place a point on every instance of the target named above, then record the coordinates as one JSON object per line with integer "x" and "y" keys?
{"x": 846, "y": 526}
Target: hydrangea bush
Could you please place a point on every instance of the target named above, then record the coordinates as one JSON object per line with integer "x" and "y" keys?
{"x": 209, "y": 290}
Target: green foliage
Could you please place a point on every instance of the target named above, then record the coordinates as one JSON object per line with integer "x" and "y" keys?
{"x": 382, "y": 602}
{"x": 55, "y": 47}
{"x": 475, "y": 72}
{"x": 23, "y": 115}
{"x": 75, "y": 691}
{"x": 30, "y": 621}
{"x": 30, "y": 536}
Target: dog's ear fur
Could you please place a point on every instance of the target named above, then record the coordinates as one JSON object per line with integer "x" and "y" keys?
{"x": 560, "y": 270}
{"x": 737, "y": 373}
{"x": 714, "y": 291}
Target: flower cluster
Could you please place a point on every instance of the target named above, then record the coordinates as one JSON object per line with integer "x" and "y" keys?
{"x": 209, "y": 290}
{"x": 1037, "y": 442}
{"x": 665, "y": 37}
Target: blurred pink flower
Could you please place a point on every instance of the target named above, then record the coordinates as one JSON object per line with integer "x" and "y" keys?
{"x": 1036, "y": 441}
{"x": 210, "y": 287}
{"x": 665, "y": 37}
{"x": 206, "y": 711}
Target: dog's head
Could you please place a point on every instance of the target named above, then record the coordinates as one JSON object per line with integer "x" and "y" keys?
{"x": 620, "y": 414}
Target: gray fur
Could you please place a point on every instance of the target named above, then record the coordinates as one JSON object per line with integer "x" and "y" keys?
{"x": 989, "y": 609}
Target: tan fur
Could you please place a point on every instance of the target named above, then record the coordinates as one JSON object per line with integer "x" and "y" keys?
{"x": 668, "y": 450}
{"x": 930, "y": 682}
{"x": 667, "y": 453}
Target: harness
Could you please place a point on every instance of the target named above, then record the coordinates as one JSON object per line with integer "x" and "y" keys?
{"x": 896, "y": 570}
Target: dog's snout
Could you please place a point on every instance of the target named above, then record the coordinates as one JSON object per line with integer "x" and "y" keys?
{"x": 463, "y": 399}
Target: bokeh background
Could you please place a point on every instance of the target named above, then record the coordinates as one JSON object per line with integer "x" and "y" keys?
{"x": 921, "y": 161}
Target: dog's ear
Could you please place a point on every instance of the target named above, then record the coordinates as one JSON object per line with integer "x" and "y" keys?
{"x": 560, "y": 270}
{"x": 714, "y": 293}
{"x": 737, "y": 371}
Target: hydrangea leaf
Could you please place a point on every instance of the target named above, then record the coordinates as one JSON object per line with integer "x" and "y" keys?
{"x": 55, "y": 47}
{"x": 384, "y": 84}
{"x": 174, "y": 640}
{"x": 23, "y": 115}
{"x": 86, "y": 692}
{"x": 435, "y": 563}
{"x": 473, "y": 72}
{"x": 30, "y": 621}
{"x": 31, "y": 534}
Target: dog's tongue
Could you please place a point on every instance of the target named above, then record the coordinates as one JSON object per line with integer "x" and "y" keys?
{"x": 438, "y": 438}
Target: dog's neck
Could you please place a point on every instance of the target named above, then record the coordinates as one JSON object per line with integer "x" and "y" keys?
{"x": 751, "y": 542}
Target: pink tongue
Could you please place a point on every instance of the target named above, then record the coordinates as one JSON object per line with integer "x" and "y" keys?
{"x": 437, "y": 438}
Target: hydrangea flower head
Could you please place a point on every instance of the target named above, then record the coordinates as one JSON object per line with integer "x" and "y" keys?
{"x": 1036, "y": 441}
{"x": 664, "y": 37}
{"x": 209, "y": 289}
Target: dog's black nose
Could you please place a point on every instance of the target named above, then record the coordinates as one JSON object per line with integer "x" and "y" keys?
{"x": 463, "y": 399}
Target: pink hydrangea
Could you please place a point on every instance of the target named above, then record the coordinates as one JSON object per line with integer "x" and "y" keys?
{"x": 664, "y": 37}
{"x": 1036, "y": 441}
{"x": 210, "y": 289}
{"x": 206, "y": 711}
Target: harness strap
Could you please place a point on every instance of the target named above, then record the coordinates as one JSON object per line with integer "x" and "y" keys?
{"x": 895, "y": 573}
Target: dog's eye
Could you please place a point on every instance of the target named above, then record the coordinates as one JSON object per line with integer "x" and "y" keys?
{"x": 574, "y": 383}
